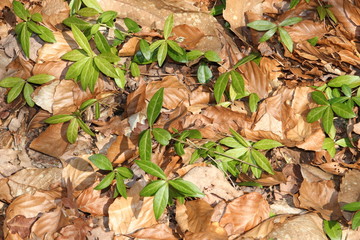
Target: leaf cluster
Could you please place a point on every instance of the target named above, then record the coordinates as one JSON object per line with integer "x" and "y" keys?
{"x": 19, "y": 85}
{"x": 30, "y": 25}
{"x": 119, "y": 174}
{"x": 272, "y": 28}
{"x": 75, "y": 120}
{"x": 165, "y": 190}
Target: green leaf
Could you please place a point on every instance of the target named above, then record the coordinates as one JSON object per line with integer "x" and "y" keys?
{"x": 346, "y": 90}
{"x": 352, "y": 207}
{"x": 230, "y": 142}
{"x": 93, "y": 4}
{"x": 261, "y": 25}
{"x": 239, "y": 138}
{"x": 177, "y": 57}
{"x": 74, "y": 55}
{"x": 253, "y": 101}
{"x": 85, "y": 127}
{"x": 266, "y": 144}
{"x": 313, "y": 41}
{"x": 252, "y": 56}
{"x": 212, "y": 56}
{"x": 152, "y": 188}
{"x": 290, "y": 21}
{"x": 47, "y": 35}
{"x": 220, "y": 86}
{"x": 120, "y": 80}
{"x": 81, "y": 24}
{"x": 331, "y": 15}
{"x": 322, "y": 12}
{"x": 10, "y": 82}
{"x": 105, "y": 67}
{"x": 107, "y": 180}
{"x": 332, "y": 229}
{"x": 125, "y": 172}
{"x": 97, "y": 110}
{"x": 59, "y": 118}
{"x": 179, "y": 148}
{"x": 101, "y": 42}
{"x": 72, "y": 131}
{"x": 134, "y": 69}
{"x": 268, "y": 34}
{"x": 344, "y": 142}
{"x": 237, "y": 82}
{"x": 175, "y": 46}
{"x": 110, "y": 57}
{"x": 107, "y": 16}
{"x": 194, "y": 133}
{"x": 81, "y": 39}
{"x": 145, "y": 49}
{"x": 343, "y": 110}
{"x": 87, "y": 12}
{"x": 20, "y": 10}
{"x": 89, "y": 75}
{"x": 154, "y": 106}
{"x": 350, "y": 80}
{"x": 74, "y": 6}
{"x": 162, "y": 136}
{"x": 355, "y": 222}
{"x": 261, "y": 161}
{"x": 327, "y": 120}
{"x": 286, "y": 39}
{"x": 145, "y": 148}
{"x": 236, "y": 153}
{"x": 194, "y": 54}
{"x": 329, "y": 145}
{"x": 87, "y": 103}
{"x": 34, "y": 27}
{"x": 151, "y": 168}
{"x": 36, "y": 17}
{"x": 161, "y": 55}
{"x": 28, "y": 90}
{"x": 294, "y": 3}
{"x": 319, "y": 98}
{"x": 120, "y": 186}
{"x": 41, "y": 78}
{"x": 132, "y": 25}
{"x": 76, "y": 68}
{"x": 25, "y": 40}
{"x": 160, "y": 201}
{"x": 15, "y": 92}
{"x": 101, "y": 161}
{"x": 188, "y": 189}
{"x": 169, "y": 22}
{"x": 156, "y": 44}
{"x": 204, "y": 73}
{"x": 315, "y": 114}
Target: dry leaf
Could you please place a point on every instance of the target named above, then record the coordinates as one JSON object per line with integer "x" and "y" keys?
{"x": 349, "y": 190}
{"x": 189, "y": 35}
{"x": 157, "y": 232}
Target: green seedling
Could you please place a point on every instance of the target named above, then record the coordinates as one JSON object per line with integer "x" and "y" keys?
{"x": 332, "y": 229}
{"x": 353, "y": 207}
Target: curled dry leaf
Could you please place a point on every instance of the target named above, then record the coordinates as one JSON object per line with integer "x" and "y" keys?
{"x": 30, "y": 180}
{"x": 43, "y": 96}
{"x": 244, "y": 213}
{"x": 130, "y": 47}
{"x": 21, "y": 225}
{"x": 128, "y": 215}
{"x": 122, "y": 149}
{"x": 343, "y": 18}
{"x": 157, "y": 232}
{"x": 320, "y": 196}
{"x": 190, "y": 35}
{"x": 333, "y": 168}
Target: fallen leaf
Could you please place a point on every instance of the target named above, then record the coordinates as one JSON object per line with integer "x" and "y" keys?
{"x": 349, "y": 190}
{"x": 157, "y": 232}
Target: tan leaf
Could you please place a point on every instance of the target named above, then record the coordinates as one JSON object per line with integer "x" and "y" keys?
{"x": 349, "y": 190}
{"x": 333, "y": 168}
{"x": 43, "y": 96}
{"x": 133, "y": 213}
{"x": 306, "y": 29}
{"x": 157, "y": 232}
{"x": 342, "y": 17}
{"x": 78, "y": 230}
{"x": 122, "y": 149}
{"x": 52, "y": 141}
{"x": 214, "y": 232}
{"x": 308, "y": 226}
{"x": 54, "y": 13}
{"x": 20, "y": 225}
{"x": 130, "y": 47}
{"x": 244, "y": 213}
{"x": 54, "y": 68}
{"x": 190, "y": 35}
{"x": 320, "y": 196}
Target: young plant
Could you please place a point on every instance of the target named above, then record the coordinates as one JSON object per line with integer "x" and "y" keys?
{"x": 353, "y": 207}
{"x": 335, "y": 102}
{"x": 239, "y": 149}
{"x": 294, "y": 3}
{"x": 324, "y": 11}
{"x": 162, "y": 136}
{"x": 119, "y": 174}
{"x": 91, "y": 6}
{"x": 76, "y": 121}
{"x": 19, "y": 85}
{"x": 30, "y": 25}
{"x": 87, "y": 64}
{"x": 272, "y": 28}
{"x": 161, "y": 47}
{"x": 204, "y": 73}
{"x": 332, "y": 229}
{"x": 165, "y": 190}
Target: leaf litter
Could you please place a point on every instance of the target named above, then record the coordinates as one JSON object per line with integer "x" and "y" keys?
{"x": 47, "y": 185}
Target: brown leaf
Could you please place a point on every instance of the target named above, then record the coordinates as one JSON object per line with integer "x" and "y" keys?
{"x": 157, "y": 232}
{"x": 133, "y": 213}
{"x": 214, "y": 232}
{"x": 349, "y": 190}
{"x": 306, "y": 29}
{"x": 78, "y": 230}
{"x": 57, "y": 69}
{"x": 320, "y": 196}
{"x": 43, "y": 96}
{"x": 122, "y": 149}
{"x": 130, "y": 47}
{"x": 244, "y": 213}
{"x": 54, "y": 13}
{"x": 21, "y": 225}
{"x": 333, "y": 168}
{"x": 342, "y": 17}
{"x": 190, "y": 35}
